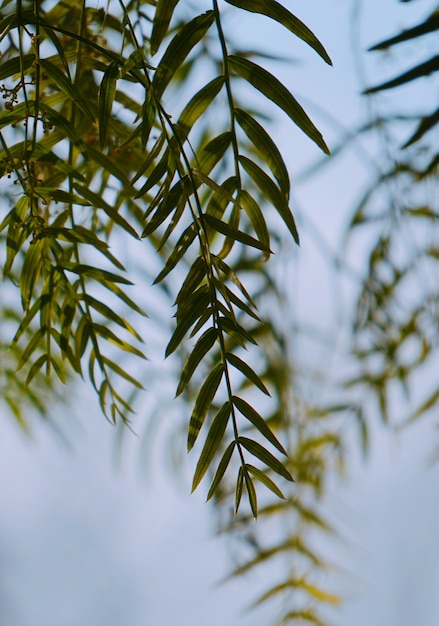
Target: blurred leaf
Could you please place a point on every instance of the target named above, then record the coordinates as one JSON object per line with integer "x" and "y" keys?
{"x": 429, "y": 25}
{"x": 423, "y": 69}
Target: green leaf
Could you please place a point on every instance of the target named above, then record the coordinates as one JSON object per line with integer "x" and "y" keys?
{"x": 275, "y": 91}
{"x": 121, "y": 372}
{"x": 198, "y": 104}
{"x": 272, "y": 193}
{"x": 109, "y": 335}
{"x": 17, "y": 232}
{"x": 258, "y": 422}
{"x": 194, "y": 276}
{"x": 251, "y": 493}
{"x": 256, "y": 217}
{"x": 107, "y": 91}
{"x": 16, "y": 65}
{"x": 238, "y": 488}
{"x": 63, "y": 124}
{"x": 265, "y": 456}
{"x": 424, "y": 407}
{"x": 306, "y": 615}
{"x": 64, "y": 83}
{"x": 236, "y": 331}
{"x": 201, "y": 348}
{"x": 223, "y": 464}
{"x": 36, "y": 367}
{"x": 167, "y": 205}
{"x": 232, "y": 299}
{"x": 186, "y": 38}
{"x": 223, "y": 193}
{"x": 180, "y": 249}
{"x": 230, "y": 274}
{"x": 31, "y": 271}
{"x": 188, "y": 313}
{"x": 265, "y": 480}
{"x": 234, "y": 233}
{"x": 277, "y": 12}
{"x": 110, "y": 314}
{"x": 266, "y": 148}
{"x": 99, "y": 203}
{"x": 213, "y": 152}
{"x": 203, "y": 402}
{"x": 162, "y": 17}
{"x": 212, "y": 443}
{"x": 33, "y": 344}
{"x": 247, "y": 371}
{"x": 95, "y": 273}
{"x": 60, "y": 195}
{"x": 108, "y": 165}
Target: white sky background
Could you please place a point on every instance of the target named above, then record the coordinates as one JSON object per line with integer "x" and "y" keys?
{"x": 82, "y": 542}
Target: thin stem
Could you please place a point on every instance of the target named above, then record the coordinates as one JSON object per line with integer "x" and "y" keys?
{"x": 230, "y": 98}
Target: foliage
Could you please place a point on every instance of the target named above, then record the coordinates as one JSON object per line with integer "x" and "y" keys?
{"x": 129, "y": 128}
{"x": 83, "y": 161}
{"x": 396, "y": 316}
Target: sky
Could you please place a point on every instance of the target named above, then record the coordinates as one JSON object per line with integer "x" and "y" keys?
{"x": 88, "y": 540}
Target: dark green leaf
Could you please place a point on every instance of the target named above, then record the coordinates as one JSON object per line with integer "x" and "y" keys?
{"x": 187, "y": 314}
{"x": 107, "y": 91}
{"x": 266, "y": 148}
{"x": 256, "y": 217}
{"x": 95, "y": 273}
{"x": 198, "y": 104}
{"x": 247, "y": 371}
{"x": 279, "y": 13}
{"x": 213, "y": 152}
{"x": 234, "y": 233}
{"x": 251, "y": 493}
{"x": 258, "y": 422}
{"x": 16, "y": 65}
{"x": 275, "y": 91}
{"x": 223, "y": 464}
{"x": 193, "y": 278}
{"x": 238, "y": 488}
{"x": 265, "y": 456}
{"x": 162, "y": 16}
{"x": 186, "y": 38}
{"x": 213, "y": 441}
{"x": 203, "y": 402}
{"x": 178, "y": 252}
{"x": 199, "y": 351}
{"x": 272, "y": 193}
{"x": 64, "y": 83}
{"x": 265, "y": 480}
